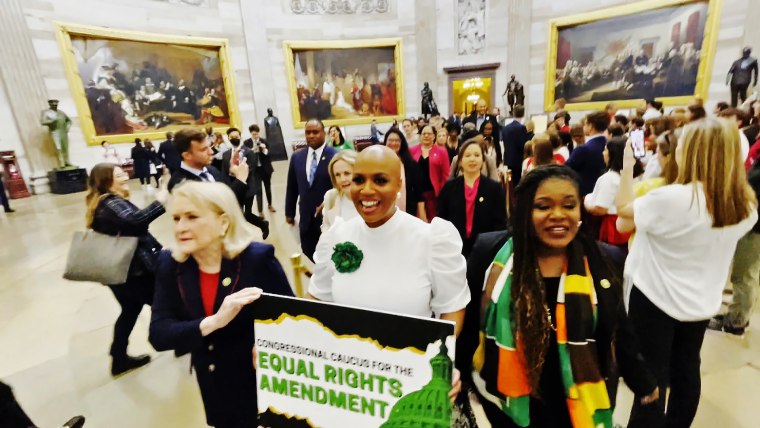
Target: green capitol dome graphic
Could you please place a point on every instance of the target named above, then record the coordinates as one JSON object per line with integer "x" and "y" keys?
{"x": 429, "y": 407}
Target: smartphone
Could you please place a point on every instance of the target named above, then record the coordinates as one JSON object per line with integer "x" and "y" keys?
{"x": 637, "y": 138}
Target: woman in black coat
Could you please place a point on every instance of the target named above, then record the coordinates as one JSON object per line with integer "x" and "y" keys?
{"x": 413, "y": 203}
{"x": 109, "y": 212}
{"x": 141, "y": 162}
{"x": 201, "y": 289}
{"x": 472, "y": 202}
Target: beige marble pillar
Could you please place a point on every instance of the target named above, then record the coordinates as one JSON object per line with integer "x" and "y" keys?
{"x": 25, "y": 87}
{"x": 520, "y": 14}
{"x": 427, "y": 51}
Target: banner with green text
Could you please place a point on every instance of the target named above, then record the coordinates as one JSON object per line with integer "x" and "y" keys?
{"x": 326, "y": 365}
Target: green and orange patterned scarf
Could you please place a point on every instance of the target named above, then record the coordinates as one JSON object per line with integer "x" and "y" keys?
{"x": 503, "y": 378}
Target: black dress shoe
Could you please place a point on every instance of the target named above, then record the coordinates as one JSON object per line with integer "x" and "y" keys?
{"x": 9, "y": 210}
{"x": 75, "y": 422}
{"x": 265, "y": 229}
{"x": 122, "y": 365}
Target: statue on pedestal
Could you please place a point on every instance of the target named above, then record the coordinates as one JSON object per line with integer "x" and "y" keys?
{"x": 428, "y": 104}
{"x": 740, "y": 76}
{"x": 277, "y": 150}
{"x": 58, "y": 124}
{"x": 515, "y": 93}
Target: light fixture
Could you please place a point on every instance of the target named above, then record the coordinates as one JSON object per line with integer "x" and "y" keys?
{"x": 473, "y": 83}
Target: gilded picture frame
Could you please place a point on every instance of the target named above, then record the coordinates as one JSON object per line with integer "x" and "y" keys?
{"x": 120, "y": 110}
{"x": 648, "y": 72}
{"x": 345, "y": 82}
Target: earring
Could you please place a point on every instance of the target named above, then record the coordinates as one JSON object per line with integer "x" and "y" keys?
{"x": 398, "y": 195}
{"x": 580, "y": 222}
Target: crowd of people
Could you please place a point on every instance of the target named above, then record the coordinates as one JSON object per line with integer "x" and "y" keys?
{"x": 578, "y": 257}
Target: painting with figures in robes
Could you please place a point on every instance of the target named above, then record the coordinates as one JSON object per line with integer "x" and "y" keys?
{"x": 345, "y": 83}
{"x": 627, "y": 54}
{"x": 141, "y": 85}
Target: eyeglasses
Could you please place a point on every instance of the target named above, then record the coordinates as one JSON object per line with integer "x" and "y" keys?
{"x": 427, "y": 133}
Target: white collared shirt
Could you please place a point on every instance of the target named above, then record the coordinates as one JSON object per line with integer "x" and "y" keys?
{"x": 198, "y": 172}
{"x": 591, "y": 137}
{"x": 309, "y": 155}
{"x": 479, "y": 121}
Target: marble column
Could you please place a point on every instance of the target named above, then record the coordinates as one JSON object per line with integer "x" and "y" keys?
{"x": 427, "y": 52}
{"x": 520, "y": 14}
{"x": 25, "y": 87}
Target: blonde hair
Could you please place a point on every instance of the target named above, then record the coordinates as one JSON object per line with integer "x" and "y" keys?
{"x": 712, "y": 156}
{"x": 348, "y": 156}
{"x": 220, "y": 200}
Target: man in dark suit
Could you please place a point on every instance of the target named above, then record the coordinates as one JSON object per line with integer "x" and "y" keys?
{"x": 480, "y": 117}
{"x": 242, "y": 154}
{"x": 308, "y": 181}
{"x": 196, "y": 155}
{"x": 587, "y": 159}
{"x": 168, "y": 154}
{"x": 264, "y": 169}
{"x": 514, "y": 136}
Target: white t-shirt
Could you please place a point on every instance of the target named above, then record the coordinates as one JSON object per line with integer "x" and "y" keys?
{"x": 653, "y": 168}
{"x": 605, "y": 191}
{"x": 744, "y": 144}
{"x": 408, "y": 267}
{"x": 678, "y": 260}
{"x": 563, "y": 151}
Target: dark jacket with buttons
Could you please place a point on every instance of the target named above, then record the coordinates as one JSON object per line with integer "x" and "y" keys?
{"x": 223, "y": 360}
{"x": 117, "y": 216}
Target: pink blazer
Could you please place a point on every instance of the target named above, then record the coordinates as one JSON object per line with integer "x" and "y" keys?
{"x": 439, "y": 165}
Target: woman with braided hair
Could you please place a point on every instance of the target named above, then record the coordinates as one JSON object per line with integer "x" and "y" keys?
{"x": 553, "y": 305}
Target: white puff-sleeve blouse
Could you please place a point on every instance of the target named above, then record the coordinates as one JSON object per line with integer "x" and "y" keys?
{"x": 408, "y": 266}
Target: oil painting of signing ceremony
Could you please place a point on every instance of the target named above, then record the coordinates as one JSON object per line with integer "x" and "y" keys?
{"x": 646, "y": 55}
{"x": 174, "y": 87}
{"x": 345, "y": 83}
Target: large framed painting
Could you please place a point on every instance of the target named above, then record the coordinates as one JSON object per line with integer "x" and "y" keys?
{"x": 345, "y": 82}
{"x": 655, "y": 49}
{"x": 128, "y": 84}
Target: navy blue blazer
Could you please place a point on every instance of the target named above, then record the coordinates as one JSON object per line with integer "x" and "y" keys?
{"x": 587, "y": 160}
{"x": 298, "y": 189}
{"x": 514, "y": 135}
{"x": 223, "y": 360}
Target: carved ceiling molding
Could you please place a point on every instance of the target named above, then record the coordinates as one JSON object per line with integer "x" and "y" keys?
{"x": 339, "y": 7}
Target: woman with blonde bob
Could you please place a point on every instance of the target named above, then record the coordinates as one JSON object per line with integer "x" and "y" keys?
{"x": 680, "y": 259}
{"x": 337, "y": 202}
{"x": 201, "y": 287}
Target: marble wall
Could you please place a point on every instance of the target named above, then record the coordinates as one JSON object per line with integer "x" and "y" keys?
{"x": 516, "y": 32}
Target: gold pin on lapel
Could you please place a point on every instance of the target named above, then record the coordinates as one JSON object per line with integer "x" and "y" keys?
{"x": 605, "y": 283}
{"x": 323, "y": 158}
{"x": 481, "y": 199}
{"x": 226, "y": 282}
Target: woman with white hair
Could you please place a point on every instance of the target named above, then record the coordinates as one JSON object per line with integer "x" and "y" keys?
{"x": 201, "y": 287}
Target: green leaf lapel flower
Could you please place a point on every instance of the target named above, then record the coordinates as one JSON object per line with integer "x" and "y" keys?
{"x": 347, "y": 257}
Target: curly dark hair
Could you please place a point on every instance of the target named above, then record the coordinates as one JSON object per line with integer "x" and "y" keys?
{"x": 528, "y": 290}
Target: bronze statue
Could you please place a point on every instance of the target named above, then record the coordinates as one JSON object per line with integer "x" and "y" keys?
{"x": 515, "y": 93}
{"x": 274, "y": 137}
{"x": 58, "y": 124}
{"x": 740, "y": 75}
{"x": 428, "y": 104}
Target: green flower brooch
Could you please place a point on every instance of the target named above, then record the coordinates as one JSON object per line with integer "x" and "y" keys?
{"x": 347, "y": 257}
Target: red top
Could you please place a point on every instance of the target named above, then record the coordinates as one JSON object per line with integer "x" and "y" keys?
{"x": 753, "y": 156}
{"x": 209, "y": 286}
{"x": 439, "y": 164}
{"x": 470, "y": 193}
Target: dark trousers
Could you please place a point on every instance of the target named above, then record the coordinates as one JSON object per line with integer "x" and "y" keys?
{"x": 265, "y": 182}
{"x": 4, "y": 197}
{"x": 671, "y": 349}
{"x": 250, "y": 217}
{"x": 310, "y": 238}
{"x": 738, "y": 91}
{"x": 11, "y": 413}
{"x": 132, "y": 295}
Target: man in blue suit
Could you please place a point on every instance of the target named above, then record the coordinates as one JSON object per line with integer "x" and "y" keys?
{"x": 308, "y": 181}
{"x": 514, "y": 136}
{"x": 587, "y": 159}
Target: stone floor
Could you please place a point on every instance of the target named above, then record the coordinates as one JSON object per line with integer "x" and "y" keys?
{"x": 55, "y": 334}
